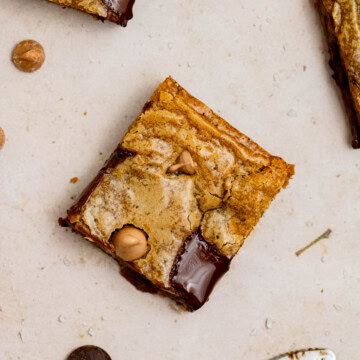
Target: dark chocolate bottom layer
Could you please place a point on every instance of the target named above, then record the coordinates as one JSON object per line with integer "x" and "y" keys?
{"x": 340, "y": 75}
{"x": 195, "y": 272}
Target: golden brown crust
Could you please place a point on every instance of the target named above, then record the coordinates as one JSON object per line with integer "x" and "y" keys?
{"x": 93, "y": 7}
{"x": 234, "y": 182}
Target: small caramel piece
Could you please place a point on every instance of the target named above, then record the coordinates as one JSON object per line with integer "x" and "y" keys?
{"x": 130, "y": 244}
{"x": 28, "y": 56}
{"x": 2, "y": 138}
{"x": 184, "y": 163}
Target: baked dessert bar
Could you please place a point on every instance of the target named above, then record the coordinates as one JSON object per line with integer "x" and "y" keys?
{"x": 178, "y": 197}
{"x": 340, "y": 20}
{"x": 117, "y": 11}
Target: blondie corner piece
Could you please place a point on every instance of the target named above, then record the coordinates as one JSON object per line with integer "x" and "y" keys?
{"x": 340, "y": 20}
{"x": 117, "y": 11}
{"x": 178, "y": 197}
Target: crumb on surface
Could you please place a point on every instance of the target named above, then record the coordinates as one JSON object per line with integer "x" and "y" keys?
{"x": 74, "y": 180}
{"x": 2, "y": 137}
{"x": 269, "y": 323}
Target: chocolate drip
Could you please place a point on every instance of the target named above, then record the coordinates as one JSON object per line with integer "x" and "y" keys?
{"x": 196, "y": 270}
{"x": 121, "y": 10}
{"x": 117, "y": 157}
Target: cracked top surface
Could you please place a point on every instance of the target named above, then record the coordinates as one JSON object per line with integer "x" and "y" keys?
{"x": 234, "y": 183}
{"x": 346, "y": 28}
{"x": 94, "y": 7}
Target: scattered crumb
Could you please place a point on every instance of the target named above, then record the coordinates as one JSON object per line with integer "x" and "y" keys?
{"x": 2, "y": 137}
{"x": 322, "y": 291}
{"x": 100, "y": 153}
{"x": 269, "y": 323}
{"x": 62, "y": 318}
{"x": 188, "y": 64}
{"x": 85, "y": 113}
{"x": 73, "y": 197}
{"x": 2, "y": 309}
{"x": 92, "y": 331}
{"x": 229, "y": 54}
{"x": 103, "y": 318}
{"x": 291, "y": 113}
{"x": 66, "y": 262}
{"x": 53, "y": 142}
{"x": 338, "y": 175}
{"x": 74, "y": 180}
{"x": 325, "y": 235}
{"x": 337, "y": 307}
{"x": 22, "y": 321}
{"x": 24, "y": 336}
{"x": 304, "y": 68}
{"x": 61, "y": 99}
{"x": 253, "y": 332}
{"x": 323, "y": 259}
{"x": 42, "y": 268}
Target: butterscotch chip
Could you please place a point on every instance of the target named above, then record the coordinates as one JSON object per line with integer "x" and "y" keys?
{"x": 2, "y": 138}
{"x": 28, "y": 56}
{"x": 184, "y": 163}
{"x": 130, "y": 244}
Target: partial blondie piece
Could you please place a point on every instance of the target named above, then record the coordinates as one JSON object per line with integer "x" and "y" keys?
{"x": 340, "y": 20}
{"x": 179, "y": 195}
{"x": 117, "y": 11}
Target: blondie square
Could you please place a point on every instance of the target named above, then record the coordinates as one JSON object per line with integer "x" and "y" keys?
{"x": 178, "y": 197}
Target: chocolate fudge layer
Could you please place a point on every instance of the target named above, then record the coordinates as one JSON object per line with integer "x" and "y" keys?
{"x": 179, "y": 195}
{"x": 117, "y": 11}
{"x": 340, "y": 20}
